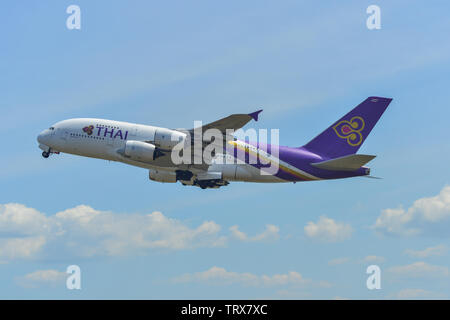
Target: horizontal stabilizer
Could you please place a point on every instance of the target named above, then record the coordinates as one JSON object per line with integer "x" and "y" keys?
{"x": 347, "y": 163}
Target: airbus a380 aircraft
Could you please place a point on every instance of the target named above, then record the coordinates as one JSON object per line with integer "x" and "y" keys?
{"x": 330, "y": 155}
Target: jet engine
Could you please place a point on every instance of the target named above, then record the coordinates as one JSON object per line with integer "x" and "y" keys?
{"x": 141, "y": 151}
{"x": 162, "y": 176}
{"x": 167, "y": 139}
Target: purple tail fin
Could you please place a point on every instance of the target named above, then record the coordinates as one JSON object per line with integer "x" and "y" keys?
{"x": 346, "y": 135}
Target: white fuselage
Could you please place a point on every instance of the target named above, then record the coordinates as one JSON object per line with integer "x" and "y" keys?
{"x": 107, "y": 139}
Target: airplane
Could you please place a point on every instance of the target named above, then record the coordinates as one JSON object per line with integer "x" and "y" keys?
{"x": 330, "y": 155}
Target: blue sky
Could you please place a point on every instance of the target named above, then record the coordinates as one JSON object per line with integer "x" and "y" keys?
{"x": 306, "y": 64}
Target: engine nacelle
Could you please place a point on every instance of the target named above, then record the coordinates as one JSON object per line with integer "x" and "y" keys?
{"x": 141, "y": 151}
{"x": 167, "y": 139}
{"x": 162, "y": 176}
{"x": 233, "y": 172}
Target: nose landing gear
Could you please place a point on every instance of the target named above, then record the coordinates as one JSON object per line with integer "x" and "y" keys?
{"x": 47, "y": 153}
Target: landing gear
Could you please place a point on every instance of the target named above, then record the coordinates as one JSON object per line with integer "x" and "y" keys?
{"x": 45, "y": 154}
{"x": 210, "y": 183}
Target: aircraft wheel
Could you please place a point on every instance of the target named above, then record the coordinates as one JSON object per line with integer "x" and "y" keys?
{"x": 45, "y": 154}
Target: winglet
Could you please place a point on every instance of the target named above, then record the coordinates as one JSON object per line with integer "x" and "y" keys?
{"x": 255, "y": 114}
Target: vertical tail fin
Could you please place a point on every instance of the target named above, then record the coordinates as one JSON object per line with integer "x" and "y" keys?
{"x": 346, "y": 135}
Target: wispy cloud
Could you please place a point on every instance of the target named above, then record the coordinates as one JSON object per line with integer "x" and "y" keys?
{"x": 328, "y": 230}
{"x": 438, "y": 250}
{"x": 220, "y": 276}
{"x": 419, "y": 269}
{"x": 269, "y": 234}
{"x": 40, "y": 278}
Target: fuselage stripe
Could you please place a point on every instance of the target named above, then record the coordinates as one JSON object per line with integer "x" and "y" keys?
{"x": 301, "y": 174}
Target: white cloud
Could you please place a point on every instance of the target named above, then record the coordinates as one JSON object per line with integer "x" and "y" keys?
{"x": 438, "y": 250}
{"x": 436, "y": 208}
{"x": 21, "y": 248}
{"x": 220, "y": 276}
{"x": 394, "y": 221}
{"x": 84, "y": 231}
{"x": 18, "y": 219}
{"x": 291, "y": 277}
{"x": 236, "y": 233}
{"x": 328, "y": 230}
{"x": 270, "y": 233}
{"x": 52, "y": 278}
{"x": 426, "y": 216}
{"x": 81, "y": 214}
{"x": 216, "y": 275}
{"x": 419, "y": 269}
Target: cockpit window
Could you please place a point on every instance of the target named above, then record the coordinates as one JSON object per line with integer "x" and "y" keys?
{"x": 51, "y": 128}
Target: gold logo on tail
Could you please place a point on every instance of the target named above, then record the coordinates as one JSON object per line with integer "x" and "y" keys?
{"x": 350, "y": 130}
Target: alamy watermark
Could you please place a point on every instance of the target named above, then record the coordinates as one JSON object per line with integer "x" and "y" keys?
{"x": 212, "y": 146}
{"x": 74, "y": 19}
{"x": 373, "y": 22}
{"x": 374, "y": 280}
{"x": 73, "y": 281}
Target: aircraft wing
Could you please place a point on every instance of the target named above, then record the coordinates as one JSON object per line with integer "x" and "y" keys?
{"x": 234, "y": 122}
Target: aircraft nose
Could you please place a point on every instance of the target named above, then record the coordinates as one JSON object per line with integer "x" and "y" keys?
{"x": 43, "y": 137}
